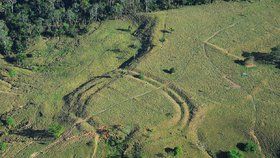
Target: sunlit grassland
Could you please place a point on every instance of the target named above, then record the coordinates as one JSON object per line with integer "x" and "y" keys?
{"x": 201, "y": 70}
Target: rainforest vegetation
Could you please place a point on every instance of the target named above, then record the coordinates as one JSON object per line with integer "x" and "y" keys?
{"x": 21, "y": 21}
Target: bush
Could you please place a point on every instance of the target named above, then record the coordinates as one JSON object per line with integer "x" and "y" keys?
{"x": 250, "y": 146}
{"x": 178, "y": 151}
{"x": 12, "y": 73}
{"x": 141, "y": 76}
{"x": 235, "y": 153}
{"x": 162, "y": 39}
{"x": 10, "y": 122}
{"x": 56, "y": 130}
{"x": 172, "y": 70}
{"x": 20, "y": 57}
{"x": 3, "y": 146}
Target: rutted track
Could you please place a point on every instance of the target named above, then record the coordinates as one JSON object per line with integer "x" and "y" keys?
{"x": 170, "y": 91}
{"x": 77, "y": 101}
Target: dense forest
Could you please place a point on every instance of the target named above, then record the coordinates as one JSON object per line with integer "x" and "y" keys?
{"x": 22, "y": 20}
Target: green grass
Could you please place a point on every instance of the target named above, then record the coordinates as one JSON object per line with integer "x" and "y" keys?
{"x": 201, "y": 75}
{"x": 59, "y": 67}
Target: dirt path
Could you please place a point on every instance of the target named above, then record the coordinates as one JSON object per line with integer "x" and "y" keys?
{"x": 250, "y": 95}
{"x": 226, "y": 52}
{"x": 10, "y": 93}
{"x": 193, "y": 127}
{"x": 253, "y": 135}
{"x": 96, "y": 141}
{"x": 233, "y": 84}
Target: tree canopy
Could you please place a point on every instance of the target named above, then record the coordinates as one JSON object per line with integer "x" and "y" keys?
{"x": 22, "y": 20}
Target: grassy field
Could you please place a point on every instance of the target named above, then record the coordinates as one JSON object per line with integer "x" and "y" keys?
{"x": 206, "y": 107}
{"x": 202, "y": 49}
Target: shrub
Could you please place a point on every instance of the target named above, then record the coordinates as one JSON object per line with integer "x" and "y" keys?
{"x": 20, "y": 57}
{"x": 178, "y": 151}
{"x": 10, "y": 122}
{"x": 141, "y": 76}
{"x": 250, "y": 146}
{"x": 172, "y": 70}
{"x": 56, "y": 130}
{"x": 12, "y": 73}
{"x": 3, "y": 146}
{"x": 162, "y": 39}
{"x": 235, "y": 153}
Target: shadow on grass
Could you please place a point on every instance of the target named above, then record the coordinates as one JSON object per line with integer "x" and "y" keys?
{"x": 166, "y": 71}
{"x": 222, "y": 154}
{"x": 35, "y": 134}
{"x": 241, "y": 146}
{"x": 123, "y": 30}
{"x": 272, "y": 58}
{"x": 165, "y": 31}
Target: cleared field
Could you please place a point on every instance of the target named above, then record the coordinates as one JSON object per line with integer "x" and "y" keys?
{"x": 58, "y": 67}
{"x": 202, "y": 49}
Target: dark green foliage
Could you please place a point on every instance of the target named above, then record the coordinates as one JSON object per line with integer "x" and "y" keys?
{"x": 178, "y": 151}
{"x": 250, "y": 146}
{"x": 5, "y": 40}
{"x": 22, "y": 20}
{"x": 235, "y": 153}
{"x": 172, "y": 70}
{"x": 20, "y": 57}
{"x": 275, "y": 55}
{"x": 56, "y": 130}
{"x": 162, "y": 39}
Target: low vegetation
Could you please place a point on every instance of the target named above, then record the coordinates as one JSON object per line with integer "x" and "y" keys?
{"x": 10, "y": 122}
{"x": 56, "y": 130}
{"x": 250, "y": 147}
{"x": 235, "y": 153}
{"x": 3, "y": 146}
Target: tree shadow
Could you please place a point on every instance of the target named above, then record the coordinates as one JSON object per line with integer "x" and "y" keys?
{"x": 169, "y": 71}
{"x": 166, "y": 71}
{"x": 32, "y": 133}
{"x": 165, "y": 31}
{"x": 115, "y": 50}
{"x": 222, "y": 154}
{"x": 10, "y": 59}
{"x": 239, "y": 62}
{"x": 272, "y": 58}
{"x": 123, "y": 30}
{"x": 133, "y": 46}
{"x": 241, "y": 146}
{"x": 278, "y": 154}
